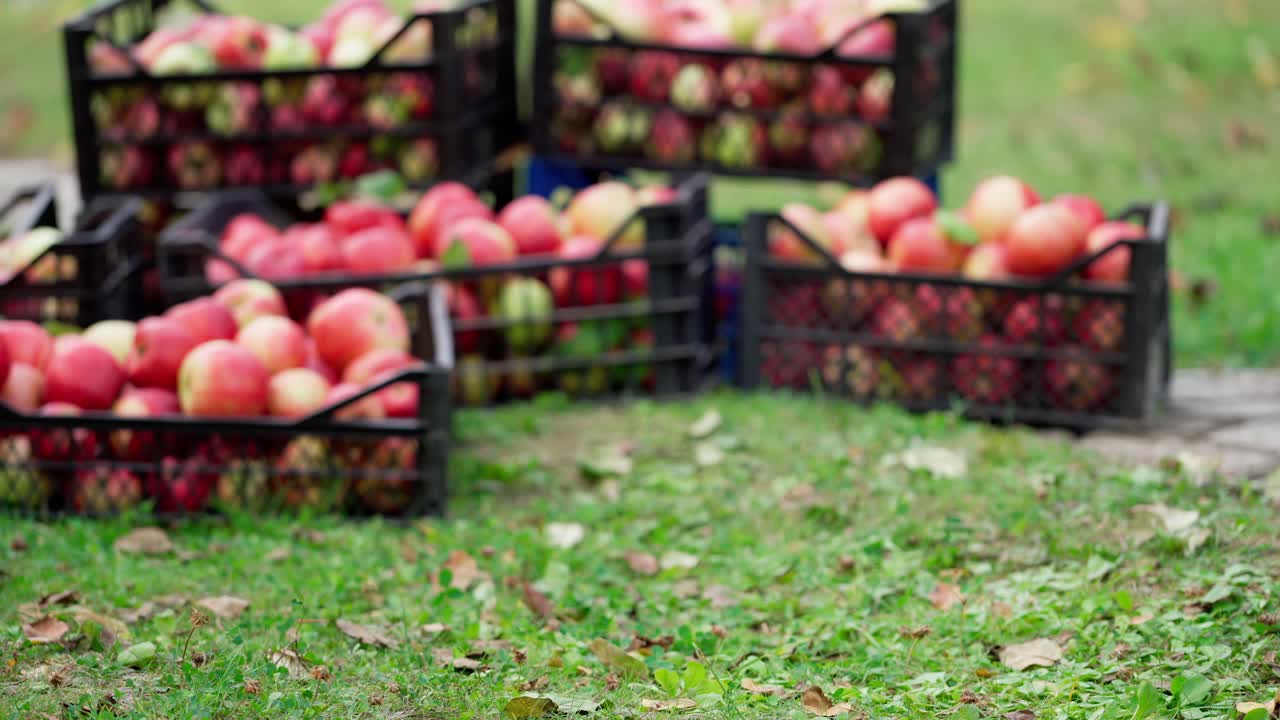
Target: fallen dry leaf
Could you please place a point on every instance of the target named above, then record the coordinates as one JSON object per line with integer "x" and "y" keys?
{"x": 1040, "y": 652}
{"x": 642, "y": 563}
{"x": 466, "y": 664}
{"x": 311, "y": 535}
{"x": 291, "y": 661}
{"x": 708, "y": 454}
{"x": 1245, "y": 708}
{"x": 434, "y": 628}
{"x": 946, "y": 596}
{"x": 66, "y": 597}
{"x": 145, "y": 611}
{"x": 663, "y": 705}
{"x": 366, "y": 634}
{"x": 756, "y": 688}
{"x": 47, "y": 629}
{"x": 565, "y": 535}
{"x": 1020, "y": 715}
{"x": 613, "y": 656}
{"x": 705, "y": 425}
{"x": 1171, "y": 520}
{"x": 226, "y": 607}
{"x": 816, "y": 702}
{"x": 111, "y": 627}
{"x": 939, "y": 461}
{"x": 535, "y": 684}
{"x": 146, "y": 540}
{"x": 18, "y": 543}
{"x": 720, "y": 597}
{"x": 538, "y": 603}
{"x": 529, "y": 707}
{"x": 1197, "y": 538}
{"x": 277, "y": 555}
{"x": 1140, "y": 619}
{"x": 677, "y": 559}
{"x": 464, "y": 569}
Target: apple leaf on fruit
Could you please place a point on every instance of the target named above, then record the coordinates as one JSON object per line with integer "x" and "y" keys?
{"x": 384, "y": 186}
{"x": 455, "y": 256}
{"x": 956, "y": 229}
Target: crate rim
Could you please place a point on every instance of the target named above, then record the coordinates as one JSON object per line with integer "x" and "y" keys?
{"x": 1157, "y": 226}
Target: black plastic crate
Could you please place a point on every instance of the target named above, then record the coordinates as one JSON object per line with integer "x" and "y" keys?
{"x": 92, "y": 273}
{"x": 766, "y": 114}
{"x": 445, "y": 115}
{"x": 1061, "y": 352}
{"x": 607, "y": 335}
{"x": 99, "y": 463}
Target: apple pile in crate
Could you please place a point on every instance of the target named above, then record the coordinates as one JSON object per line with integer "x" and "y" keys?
{"x": 675, "y": 106}
{"x": 508, "y": 314}
{"x": 230, "y": 357}
{"x": 228, "y": 114}
{"x": 1007, "y": 319}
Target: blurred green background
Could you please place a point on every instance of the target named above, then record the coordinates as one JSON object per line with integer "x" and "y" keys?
{"x": 1124, "y": 99}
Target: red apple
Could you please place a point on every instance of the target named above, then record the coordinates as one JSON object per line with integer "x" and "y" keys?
{"x": 919, "y": 245}
{"x": 1112, "y": 267}
{"x": 276, "y": 259}
{"x": 243, "y": 233}
{"x": 602, "y": 209}
{"x": 158, "y": 350}
{"x": 5, "y": 364}
{"x": 316, "y": 363}
{"x": 893, "y": 202}
{"x": 369, "y": 408}
{"x": 399, "y": 400}
{"x": 277, "y": 342}
{"x": 24, "y": 388}
{"x": 896, "y": 320}
{"x": 463, "y": 308}
{"x": 222, "y": 379}
{"x": 1022, "y": 324}
{"x": 238, "y": 43}
{"x": 355, "y": 321}
{"x": 1085, "y": 208}
{"x": 988, "y": 261}
{"x": 1044, "y": 240}
{"x": 786, "y": 244}
{"x": 136, "y": 446}
{"x": 1078, "y": 385}
{"x": 996, "y": 203}
{"x": 297, "y": 392}
{"x": 379, "y": 250}
{"x": 82, "y": 374}
{"x": 425, "y": 220}
{"x": 963, "y": 314}
{"x": 987, "y": 378}
{"x": 635, "y": 279}
{"x": 847, "y": 235}
{"x": 114, "y": 336}
{"x": 349, "y": 217}
{"x": 585, "y": 285}
{"x": 319, "y": 247}
{"x": 1100, "y": 325}
{"x": 27, "y": 343}
{"x": 474, "y": 242}
{"x": 250, "y": 299}
{"x": 531, "y": 222}
{"x": 656, "y": 195}
{"x": 205, "y": 318}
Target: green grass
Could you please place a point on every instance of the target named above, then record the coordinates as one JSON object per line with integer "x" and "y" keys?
{"x": 1129, "y": 100}
{"x": 799, "y": 569}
